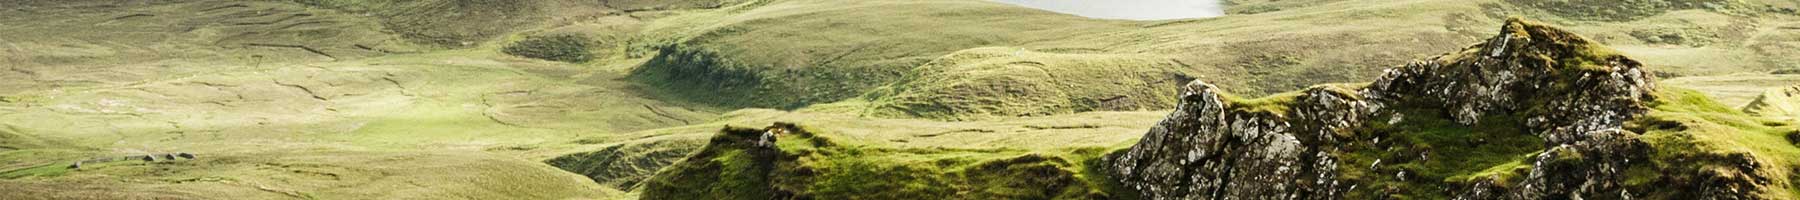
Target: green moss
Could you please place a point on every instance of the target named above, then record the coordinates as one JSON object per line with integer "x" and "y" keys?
{"x": 1693, "y": 136}
{"x": 1504, "y": 173}
{"x": 875, "y": 173}
{"x": 1279, "y": 104}
{"x": 1095, "y": 172}
{"x": 1568, "y": 52}
{"x": 1273, "y": 105}
{"x": 729, "y": 167}
{"x": 812, "y": 166}
{"x": 1436, "y": 154}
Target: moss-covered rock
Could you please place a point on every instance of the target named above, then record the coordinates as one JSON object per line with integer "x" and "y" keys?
{"x": 787, "y": 161}
{"x": 1534, "y": 113}
{"x": 733, "y": 165}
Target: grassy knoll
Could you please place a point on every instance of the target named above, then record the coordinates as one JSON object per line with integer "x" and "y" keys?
{"x": 803, "y": 164}
{"x": 920, "y": 141}
{"x": 1693, "y": 133}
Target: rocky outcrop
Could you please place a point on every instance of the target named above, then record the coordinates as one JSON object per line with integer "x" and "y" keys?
{"x": 1207, "y": 149}
{"x": 788, "y": 161}
{"x": 1573, "y": 94}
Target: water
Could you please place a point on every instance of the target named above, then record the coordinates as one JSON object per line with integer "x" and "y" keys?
{"x": 1128, "y": 9}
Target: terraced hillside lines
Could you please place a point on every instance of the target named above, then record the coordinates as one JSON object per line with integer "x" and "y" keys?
{"x": 1008, "y": 82}
{"x": 820, "y": 51}
{"x": 827, "y": 54}
{"x": 460, "y": 24}
{"x": 117, "y": 44}
{"x": 624, "y": 165}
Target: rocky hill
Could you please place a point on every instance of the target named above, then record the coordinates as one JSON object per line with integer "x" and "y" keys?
{"x": 1534, "y": 113}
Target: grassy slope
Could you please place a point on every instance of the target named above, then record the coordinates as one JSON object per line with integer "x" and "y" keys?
{"x": 885, "y": 140}
{"x": 930, "y": 160}
{"x": 860, "y": 152}
{"x": 866, "y": 51}
{"x": 1003, "y": 82}
{"x": 1684, "y": 125}
{"x": 184, "y": 78}
{"x": 281, "y": 122}
{"x": 93, "y": 43}
{"x": 1709, "y": 136}
{"x": 458, "y": 110}
{"x": 826, "y": 51}
{"x": 1777, "y": 103}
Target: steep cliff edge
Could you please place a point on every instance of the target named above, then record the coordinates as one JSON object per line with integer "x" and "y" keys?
{"x": 1533, "y": 113}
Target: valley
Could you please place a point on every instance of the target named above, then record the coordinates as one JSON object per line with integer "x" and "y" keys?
{"x": 936, "y": 99}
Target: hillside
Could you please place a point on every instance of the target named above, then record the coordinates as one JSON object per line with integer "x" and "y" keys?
{"x": 1597, "y": 111}
{"x": 881, "y": 54}
{"x": 890, "y": 99}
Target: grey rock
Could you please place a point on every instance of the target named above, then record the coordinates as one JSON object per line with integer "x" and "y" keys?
{"x": 1206, "y": 149}
{"x": 1203, "y": 151}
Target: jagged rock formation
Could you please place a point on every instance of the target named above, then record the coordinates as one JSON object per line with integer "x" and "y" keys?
{"x": 1530, "y": 83}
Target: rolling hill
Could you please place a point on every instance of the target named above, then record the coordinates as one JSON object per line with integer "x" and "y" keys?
{"x": 383, "y": 99}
